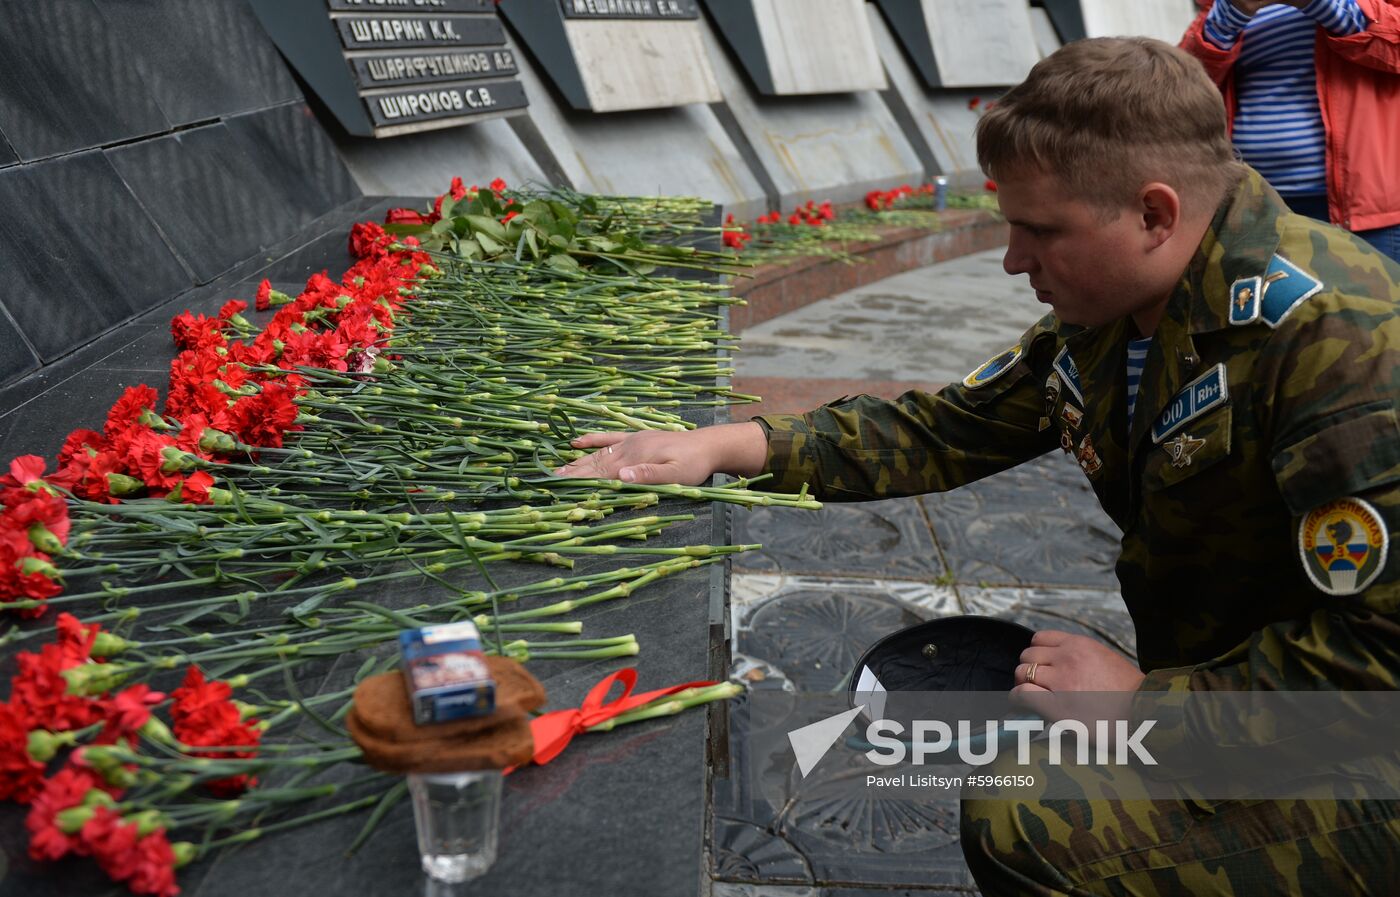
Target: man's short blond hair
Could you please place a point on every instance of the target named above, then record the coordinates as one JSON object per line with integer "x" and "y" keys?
{"x": 1110, "y": 115}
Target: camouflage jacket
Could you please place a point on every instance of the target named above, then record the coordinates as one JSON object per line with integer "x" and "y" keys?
{"x": 1259, "y": 485}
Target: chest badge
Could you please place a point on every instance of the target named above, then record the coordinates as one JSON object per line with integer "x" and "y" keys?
{"x": 1182, "y": 448}
{"x": 1343, "y": 545}
{"x": 1088, "y": 458}
{"x": 1210, "y": 390}
{"x": 1069, "y": 374}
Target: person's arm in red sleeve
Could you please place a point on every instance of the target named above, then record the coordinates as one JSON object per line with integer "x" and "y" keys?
{"x": 1378, "y": 46}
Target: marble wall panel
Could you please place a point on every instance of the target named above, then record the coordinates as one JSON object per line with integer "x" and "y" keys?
{"x": 635, "y": 64}
{"x": 942, "y": 118}
{"x": 683, "y": 151}
{"x": 1047, "y": 40}
{"x": 818, "y": 46}
{"x": 977, "y": 43}
{"x": 68, "y": 81}
{"x": 424, "y": 164}
{"x": 202, "y": 60}
{"x": 1163, "y": 19}
{"x": 835, "y": 147}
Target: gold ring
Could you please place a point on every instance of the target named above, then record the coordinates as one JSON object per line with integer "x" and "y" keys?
{"x": 1030, "y": 673}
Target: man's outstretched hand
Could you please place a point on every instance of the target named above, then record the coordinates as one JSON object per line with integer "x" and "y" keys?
{"x": 687, "y": 458}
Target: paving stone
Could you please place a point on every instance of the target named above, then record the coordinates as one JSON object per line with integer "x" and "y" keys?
{"x": 933, "y": 324}
{"x": 810, "y": 631}
{"x": 884, "y": 538}
{"x": 1036, "y": 524}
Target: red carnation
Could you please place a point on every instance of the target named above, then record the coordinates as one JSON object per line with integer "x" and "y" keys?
{"x": 66, "y": 788}
{"x": 404, "y": 216}
{"x": 20, "y": 777}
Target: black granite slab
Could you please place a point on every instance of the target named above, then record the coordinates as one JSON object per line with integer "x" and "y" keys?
{"x": 69, "y": 82}
{"x": 289, "y": 144}
{"x": 216, "y": 203}
{"x": 888, "y": 539}
{"x": 619, "y": 814}
{"x": 186, "y": 76}
{"x": 16, "y": 357}
{"x": 7, "y": 152}
{"x": 1037, "y": 524}
{"x": 80, "y": 253}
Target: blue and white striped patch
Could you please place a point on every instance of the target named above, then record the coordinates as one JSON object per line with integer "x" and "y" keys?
{"x": 1200, "y": 395}
{"x": 994, "y": 368}
{"x": 1069, "y": 374}
{"x": 1286, "y": 286}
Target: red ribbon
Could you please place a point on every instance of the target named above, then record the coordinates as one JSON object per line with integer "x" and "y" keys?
{"x": 553, "y": 731}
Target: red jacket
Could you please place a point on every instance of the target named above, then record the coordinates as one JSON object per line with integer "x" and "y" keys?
{"x": 1358, "y": 87}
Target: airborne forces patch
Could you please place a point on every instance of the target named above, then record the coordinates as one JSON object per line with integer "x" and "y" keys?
{"x": 1272, "y": 297}
{"x": 993, "y": 368}
{"x": 1343, "y": 545}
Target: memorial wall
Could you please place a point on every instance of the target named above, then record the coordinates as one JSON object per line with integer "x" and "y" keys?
{"x": 222, "y": 126}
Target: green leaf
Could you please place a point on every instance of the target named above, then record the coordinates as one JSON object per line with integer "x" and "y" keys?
{"x": 489, "y": 244}
{"x": 563, "y": 263}
{"x": 481, "y": 224}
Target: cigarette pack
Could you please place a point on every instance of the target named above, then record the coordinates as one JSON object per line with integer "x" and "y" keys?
{"x": 446, "y": 673}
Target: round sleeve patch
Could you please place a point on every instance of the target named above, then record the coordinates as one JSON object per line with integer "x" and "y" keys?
{"x": 1343, "y": 545}
{"x": 994, "y": 368}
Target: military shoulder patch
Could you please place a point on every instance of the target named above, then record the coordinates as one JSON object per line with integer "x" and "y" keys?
{"x": 993, "y": 368}
{"x": 1343, "y": 545}
{"x": 1285, "y": 287}
{"x": 1200, "y": 395}
{"x": 1069, "y": 374}
{"x": 1244, "y": 300}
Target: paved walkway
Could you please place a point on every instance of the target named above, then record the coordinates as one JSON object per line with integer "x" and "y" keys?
{"x": 1029, "y": 545}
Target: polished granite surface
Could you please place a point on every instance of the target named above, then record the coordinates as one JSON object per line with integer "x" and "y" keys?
{"x": 618, "y": 814}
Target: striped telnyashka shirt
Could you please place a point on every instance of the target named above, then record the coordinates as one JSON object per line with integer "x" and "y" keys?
{"x": 1278, "y": 124}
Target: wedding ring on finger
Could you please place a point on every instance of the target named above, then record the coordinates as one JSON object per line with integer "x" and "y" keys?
{"x": 1030, "y": 673}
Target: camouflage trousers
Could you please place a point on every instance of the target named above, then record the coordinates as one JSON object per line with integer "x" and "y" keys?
{"x": 1180, "y": 848}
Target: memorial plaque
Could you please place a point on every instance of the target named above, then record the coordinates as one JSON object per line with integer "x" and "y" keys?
{"x": 615, "y": 55}
{"x": 429, "y": 6}
{"x": 965, "y": 43}
{"x": 793, "y": 47}
{"x": 630, "y": 9}
{"x": 388, "y": 67}
{"x": 389, "y": 70}
{"x": 1165, "y": 20}
{"x": 379, "y": 32}
{"x": 401, "y": 107}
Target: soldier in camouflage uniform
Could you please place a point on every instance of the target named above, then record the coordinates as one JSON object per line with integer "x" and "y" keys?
{"x": 1257, "y": 481}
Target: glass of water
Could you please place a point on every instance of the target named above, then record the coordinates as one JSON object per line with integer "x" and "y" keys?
{"x": 458, "y": 816}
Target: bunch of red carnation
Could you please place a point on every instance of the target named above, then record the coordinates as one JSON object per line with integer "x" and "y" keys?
{"x": 735, "y": 236}
{"x": 205, "y": 715}
{"x": 883, "y": 200}
{"x": 61, "y": 695}
{"x": 458, "y": 191}
{"x": 810, "y": 214}
{"x": 33, "y": 527}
